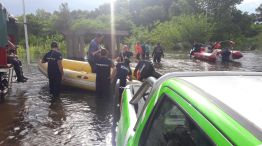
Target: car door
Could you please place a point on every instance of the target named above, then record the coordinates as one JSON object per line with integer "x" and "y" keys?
{"x": 174, "y": 122}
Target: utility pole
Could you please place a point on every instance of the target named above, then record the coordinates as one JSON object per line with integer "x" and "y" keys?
{"x": 26, "y": 36}
{"x": 113, "y": 30}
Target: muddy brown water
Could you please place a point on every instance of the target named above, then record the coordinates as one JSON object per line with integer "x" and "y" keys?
{"x": 28, "y": 116}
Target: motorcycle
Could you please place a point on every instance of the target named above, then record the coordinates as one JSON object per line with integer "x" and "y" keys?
{"x": 3, "y": 85}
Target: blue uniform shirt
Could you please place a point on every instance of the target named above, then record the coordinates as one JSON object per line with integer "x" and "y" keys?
{"x": 123, "y": 70}
{"x": 52, "y": 58}
{"x": 103, "y": 67}
{"x": 94, "y": 46}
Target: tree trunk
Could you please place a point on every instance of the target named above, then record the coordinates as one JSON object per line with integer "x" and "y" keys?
{"x": 81, "y": 47}
{"x": 69, "y": 45}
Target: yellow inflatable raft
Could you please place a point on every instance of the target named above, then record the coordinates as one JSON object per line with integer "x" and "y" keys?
{"x": 76, "y": 74}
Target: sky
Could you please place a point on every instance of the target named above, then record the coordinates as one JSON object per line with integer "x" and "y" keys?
{"x": 249, "y": 5}
{"x": 15, "y": 6}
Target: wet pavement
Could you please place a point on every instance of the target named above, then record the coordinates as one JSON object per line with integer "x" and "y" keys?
{"x": 30, "y": 117}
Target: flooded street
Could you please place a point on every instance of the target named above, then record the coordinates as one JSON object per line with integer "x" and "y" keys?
{"x": 30, "y": 117}
{"x": 252, "y": 61}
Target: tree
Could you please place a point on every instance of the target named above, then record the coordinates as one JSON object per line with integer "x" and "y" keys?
{"x": 221, "y": 13}
{"x": 62, "y": 19}
{"x": 259, "y": 10}
{"x": 149, "y": 15}
{"x": 148, "y": 11}
{"x": 185, "y": 28}
{"x": 182, "y": 7}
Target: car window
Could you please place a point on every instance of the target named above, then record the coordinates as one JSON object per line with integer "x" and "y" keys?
{"x": 169, "y": 126}
{"x": 142, "y": 101}
{"x": 140, "y": 96}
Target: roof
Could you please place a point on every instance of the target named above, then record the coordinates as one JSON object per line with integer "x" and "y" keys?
{"x": 236, "y": 93}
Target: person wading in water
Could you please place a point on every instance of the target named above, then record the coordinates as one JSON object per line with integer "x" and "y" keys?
{"x": 55, "y": 69}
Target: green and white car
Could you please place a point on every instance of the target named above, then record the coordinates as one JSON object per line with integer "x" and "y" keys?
{"x": 201, "y": 108}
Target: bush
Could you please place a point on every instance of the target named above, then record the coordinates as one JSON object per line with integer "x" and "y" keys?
{"x": 185, "y": 29}
{"x": 38, "y": 46}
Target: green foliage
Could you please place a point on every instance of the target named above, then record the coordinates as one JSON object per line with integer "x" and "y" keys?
{"x": 244, "y": 22}
{"x": 258, "y": 42}
{"x": 257, "y": 27}
{"x": 174, "y": 23}
{"x": 149, "y": 15}
{"x": 88, "y": 25}
{"x": 62, "y": 20}
{"x": 254, "y": 42}
{"x": 186, "y": 28}
{"x": 250, "y": 43}
{"x": 140, "y": 34}
{"x": 194, "y": 28}
{"x": 184, "y": 7}
{"x": 41, "y": 45}
{"x": 123, "y": 24}
{"x": 167, "y": 34}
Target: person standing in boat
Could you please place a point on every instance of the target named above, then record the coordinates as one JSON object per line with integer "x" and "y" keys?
{"x": 103, "y": 69}
{"x": 94, "y": 49}
{"x": 55, "y": 69}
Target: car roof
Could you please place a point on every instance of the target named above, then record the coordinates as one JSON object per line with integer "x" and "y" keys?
{"x": 236, "y": 93}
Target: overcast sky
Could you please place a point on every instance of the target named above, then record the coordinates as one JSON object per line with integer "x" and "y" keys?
{"x": 249, "y": 5}
{"x": 15, "y": 6}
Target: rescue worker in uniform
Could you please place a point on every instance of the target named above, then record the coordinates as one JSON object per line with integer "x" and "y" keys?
{"x": 145, "y": 69}
{"x": 55, "y": 69}
{"x": 157, "y": 53}
{"x": 94, "y": 49}
{"x": 103, "y": 69}
{"x": 122, "y": 71}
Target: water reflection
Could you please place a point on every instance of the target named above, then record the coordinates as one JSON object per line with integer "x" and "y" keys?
{"x": 104, "y": 118}
{"x": 181, "y": 63}
{"x": 11, "y": 114}
{"x": 56, "y": 113}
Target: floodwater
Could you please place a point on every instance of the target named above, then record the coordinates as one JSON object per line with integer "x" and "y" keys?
{"x": 28, "y": 116}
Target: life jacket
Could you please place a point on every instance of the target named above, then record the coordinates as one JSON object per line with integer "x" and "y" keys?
{"x": 217, "y": 45}
{"x": 139, "y": 49}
